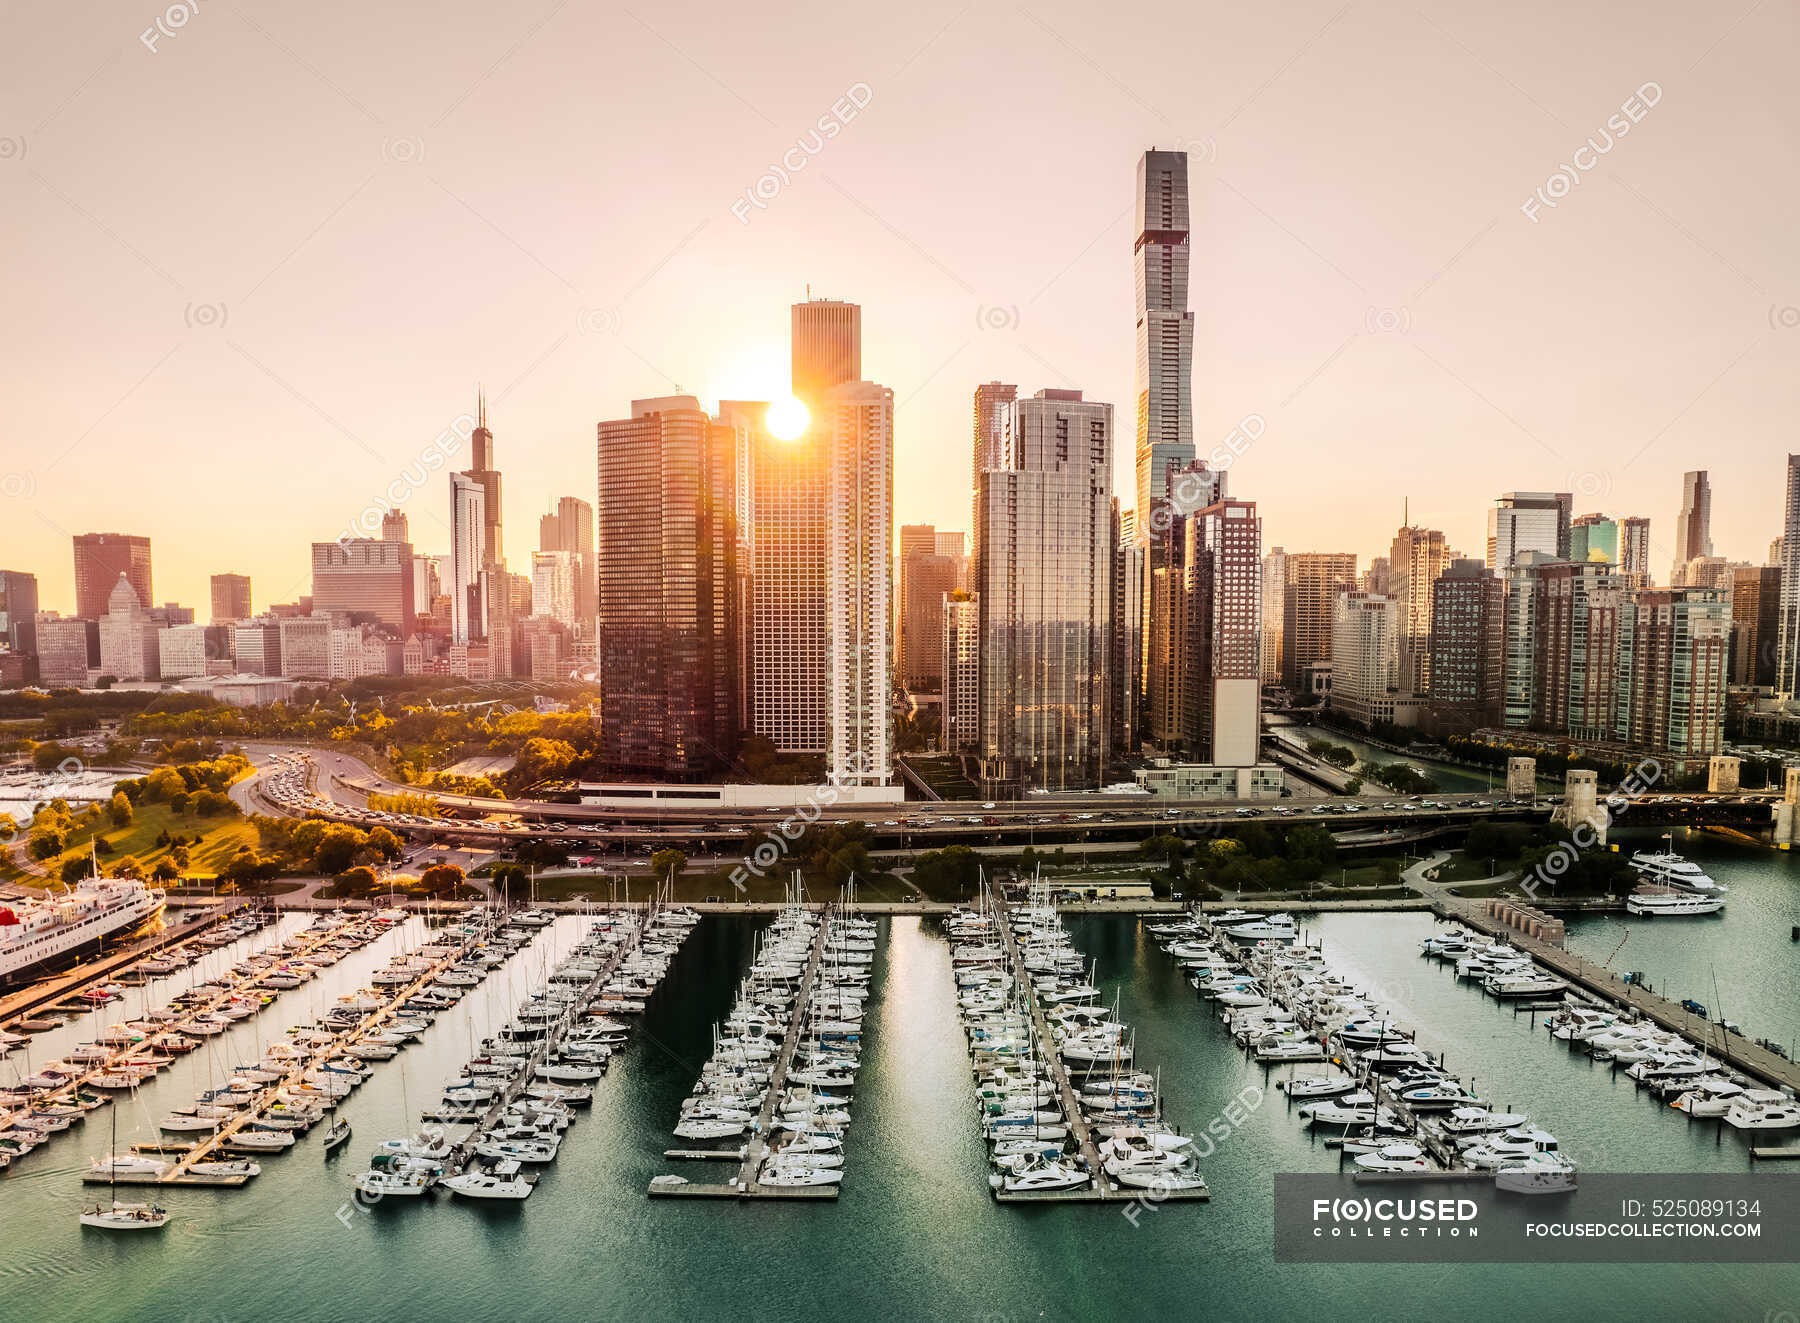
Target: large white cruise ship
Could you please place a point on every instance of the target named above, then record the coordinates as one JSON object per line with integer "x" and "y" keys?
{"x": 34, "y": 931}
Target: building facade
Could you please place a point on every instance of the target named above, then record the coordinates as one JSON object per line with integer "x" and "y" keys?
{"x": 1165, "y": 327}
{"x": 1755, "y": 624}
{"x": 369, "y": 581}
{"x": 1468, "y": 617}
{"x": 1309, "y": 609}
{"x": 100, "y": 558}
{"x": 1529, "y": 521}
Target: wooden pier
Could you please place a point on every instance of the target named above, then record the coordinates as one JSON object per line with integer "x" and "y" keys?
{"x": 1603, "y": 984}
{"x": 265, "y": 1096}
{"x": 22, "y": 1003}
{"x": 747, "y": 1186}
{"x": 1102, "y": 1188}
{"x": 511, "y": 1090}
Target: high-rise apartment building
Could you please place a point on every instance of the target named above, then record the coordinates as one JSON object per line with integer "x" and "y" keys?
{"x": 667, "y": 569}
{"x": 993, "y": 399}
{"x": 825, "y": 347}
{"x": 1468, "y": 606}
{"x": 1562, "y": 646}
{"x": 1755, "y": 624}
{"x": 570, "y": 528}
{"x": 1528, "y": 521}
{"x": 1415, "y": 560}
{"x": 364, "y": 579}
{"x": 1673, "y": 655}
{"x": 18, "y": 611}
{"x": 230, "y": 598}
{"x": 1044, "y": 578}
{"x": 960, "y": 723}
{"x": 1274, "y": 591}
{"x": 1693, "y": 526}
{"x": 931, "y": 565}
{"x": 1634, "y": 551}
{"x": 553, "y": 586}
{"x": 1220, "y": 670}
{"x": 859, "y": 582}
{"x": 1190, "y": 489}
{"x": 1165, "y": 327}
{"x": 1365, "y": 656}
{"x": 100, "y": 558}
{"x": 1309, "y": 608}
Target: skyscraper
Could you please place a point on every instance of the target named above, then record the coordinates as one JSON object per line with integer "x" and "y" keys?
{"x": 925, "y": 576}
{"x": 1634, "y": 551}
{"x": 1673, "y": 654}
{"x": 394, "y": 528}
{"x": 553, "y": 586}
{"x": 1467, "y": 649}
{"x": 1220, "y": 673}
{"x": 468, "y": 558}
{"x": 1365, "y": 656}
{"x": 787, "y": 581}
{"x": 992, "y": 400}
{"x": 667, "y": 562}
{"x": 365, "y": 579}
{"x": 127, "y": 636}
{"x": 1787, "y": 674}
{"x": 18, "y": 610}
{"x": 570, "y": 528}
{"x": 481, "y": 469}
{"x": 230, "y": 598}
{"x": 1165, "y": 327}
{"x": 825, "y": 347}
{"x": 1415, "y": 560}
{"x": 960, "y": 724}
{"x": 859, "y": 581}
{"x": 1274, "y": 588}
{"x": 100, "y": 558}
{"x": 1594, "y": 537}
{"x": 1693, "y": 526}
{"x": 1188, "y": 489}
{"x": 1755, "y": 623}
{"x": 1562, "y": 642}
{"x": 1309, "y": 606}
{"x": 1044, "y": 579}
{"x": 1528, "y": 521}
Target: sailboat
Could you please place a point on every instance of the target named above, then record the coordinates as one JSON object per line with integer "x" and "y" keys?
{"x": 337, "y": 1132}
{"x": 121, "y": 1217}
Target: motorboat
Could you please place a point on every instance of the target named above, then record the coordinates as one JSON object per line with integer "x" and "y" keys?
{"x": 1478, "y": 1120}
{"x": 1395, "y": 1157}
{"x": 1316, "y": 1086}
{"x": 1043, "y": 1174}
{"x": 1763, "y": 1109}
{"x": 1651, "y": 903}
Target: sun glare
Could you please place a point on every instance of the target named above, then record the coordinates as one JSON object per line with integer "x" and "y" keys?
{"x": 787, "y": 419}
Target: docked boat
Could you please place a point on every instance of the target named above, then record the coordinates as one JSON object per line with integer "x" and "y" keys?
{"x": 504, "y": 1182}
{"x": 1663, "y": 901}
{"x": 1763, "y": 1109}
{"x": 1666, "y": 868}
{"x": 35, "y": 932}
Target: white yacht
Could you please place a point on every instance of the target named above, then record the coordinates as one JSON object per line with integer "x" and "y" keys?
{"x": 1763, "y": 1109}
{"x": 125, "y": 1217}
{"x": 1666, "y": 868}
{"x": 1651, "y": 901}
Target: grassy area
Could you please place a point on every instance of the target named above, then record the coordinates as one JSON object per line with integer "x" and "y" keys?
{"x": 1460, "y": 868}
{"x": 279, "y": 887}
{"x": 220, "y": 839}
{"x": 944, "y": 775}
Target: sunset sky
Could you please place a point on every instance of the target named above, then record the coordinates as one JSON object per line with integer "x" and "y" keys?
{"x": 253, "y": 272}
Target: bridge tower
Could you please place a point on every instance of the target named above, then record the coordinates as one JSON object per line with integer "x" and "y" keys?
{"x": 1521, "y": 778}
{"x": 1787, "y": 807}
{"x": 1722, "y": 774}
{"x": 1581, "y": 806}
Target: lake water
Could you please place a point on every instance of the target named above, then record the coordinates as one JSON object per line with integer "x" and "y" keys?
{"x": 915, "y": 1235}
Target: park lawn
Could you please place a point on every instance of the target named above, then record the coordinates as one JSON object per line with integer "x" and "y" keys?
{"x": 220, "y": 838}
{"x": 1459, "y": 867}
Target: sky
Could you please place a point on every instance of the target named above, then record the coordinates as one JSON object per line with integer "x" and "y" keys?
{"x": 260, "y": 253}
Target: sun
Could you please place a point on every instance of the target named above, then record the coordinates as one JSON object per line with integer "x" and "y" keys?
{"x": 787, "y": 419}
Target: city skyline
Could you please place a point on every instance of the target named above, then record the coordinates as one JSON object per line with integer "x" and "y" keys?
{"x": 257, "y": 340}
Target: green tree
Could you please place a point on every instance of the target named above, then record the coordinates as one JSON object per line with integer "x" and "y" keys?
{"x": 338, "y": 845}
{"x": 120, "y": 809}
{"x": 385, "y": 843}
{"x": 356, "y": 882}
{"x": 76, "y": 867}
{"x": 950, "y": 874}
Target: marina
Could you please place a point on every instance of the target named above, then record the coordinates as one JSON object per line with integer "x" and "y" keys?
{"x": 913, "y": 1087}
